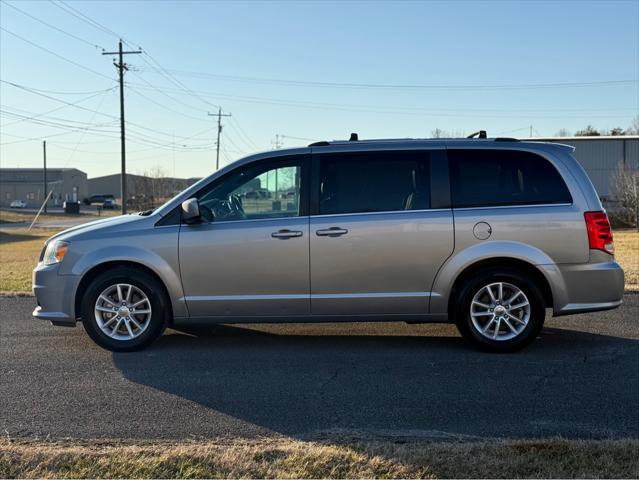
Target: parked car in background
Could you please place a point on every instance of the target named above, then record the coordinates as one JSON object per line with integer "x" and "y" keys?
{"x": 109, "y": 204}
{"x": 18, "y": 204}
{"x": 99, "y": 199}
{"x": 487, "y": 234}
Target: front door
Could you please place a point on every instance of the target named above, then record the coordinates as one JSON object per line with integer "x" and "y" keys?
{"x": 379, "y": 233}
{"x": 250, "y": 254}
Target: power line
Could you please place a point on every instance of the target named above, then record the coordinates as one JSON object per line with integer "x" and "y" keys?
{"x": 54, "y": 122}
{"x": 128, "y": 123}
{"x": 56, "y": 109}
{"x": 300, "y": 138}
{"x": 158, "y": 67}
{"x": 174, "y": 80}
{"x": 72, "y": 154}
{"x": 248, "y": 141}
{"x": 404, "y": 86}
{"x": 68, "y": 132}
{"x": 161, "y": 105}
{"x": 411, "y": 111}
{"x": 53, "y": 26}
{"x": 54, "y": 54}
{"x": 157, "y": 89}
{"x": 55, "y": 92}
{"x": 81, "y": 16}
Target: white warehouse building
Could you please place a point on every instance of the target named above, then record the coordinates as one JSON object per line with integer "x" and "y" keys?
{"x": 601, "y": 157}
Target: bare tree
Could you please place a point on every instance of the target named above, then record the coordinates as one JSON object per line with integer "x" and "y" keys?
{"x": 563, "y": 132}
{"x": 633, "y": 129}
{"x": 158, "y": 183}
{"x": 437, "y": 133}
{"x": 626, "y": 191}
{"x": 589, "y": 131}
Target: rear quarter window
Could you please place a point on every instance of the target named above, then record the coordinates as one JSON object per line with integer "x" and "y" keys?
{"x": 483, "y": 178}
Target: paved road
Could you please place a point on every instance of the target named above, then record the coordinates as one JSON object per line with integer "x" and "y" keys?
{"x": 580, "y": 379}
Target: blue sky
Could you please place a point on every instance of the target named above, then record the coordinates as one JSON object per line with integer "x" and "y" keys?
{"x": 290, "y": 68}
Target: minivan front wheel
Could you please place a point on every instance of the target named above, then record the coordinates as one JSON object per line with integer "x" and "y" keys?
{"x": 124, "y": 309}
{"x": 500, "y": 310}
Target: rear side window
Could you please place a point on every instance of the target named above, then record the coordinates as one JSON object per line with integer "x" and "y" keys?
{"x": 374, "y": 182}
{"x": 482, "y": 178}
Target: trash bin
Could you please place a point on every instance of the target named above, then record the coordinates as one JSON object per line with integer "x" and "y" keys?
{"x": 71, "y": 207}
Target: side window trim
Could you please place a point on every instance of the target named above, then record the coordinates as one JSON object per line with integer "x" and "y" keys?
{"x": 440, "y": 194}
{"x": 452, "y": 169}
{"x": 438, "y": 164}
{"x": 305, "y": 163}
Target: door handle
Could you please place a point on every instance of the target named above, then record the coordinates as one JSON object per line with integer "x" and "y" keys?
{"x": 331, "y": 232}
{"x": 285, "y": 233}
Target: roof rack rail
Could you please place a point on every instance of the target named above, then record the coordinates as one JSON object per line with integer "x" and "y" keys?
{"x": 507, "y": 139}
{"x": 323, "y": 143}
{"x": 479, "y": 134}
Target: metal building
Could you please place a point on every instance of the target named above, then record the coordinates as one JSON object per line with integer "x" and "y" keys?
{"x": 601, "y": 157}
{"x": 27, "y": 184}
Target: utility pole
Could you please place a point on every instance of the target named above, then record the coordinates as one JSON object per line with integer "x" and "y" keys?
{"x": 121, "y": 66}
{"x": 531, "y": 129}
{"x": 219, "y": 116}
{"x": 277, "y": 143}
{"x": 44, "y": 152}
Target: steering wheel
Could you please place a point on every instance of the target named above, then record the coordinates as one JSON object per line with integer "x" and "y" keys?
{"x": 235, "y": 202}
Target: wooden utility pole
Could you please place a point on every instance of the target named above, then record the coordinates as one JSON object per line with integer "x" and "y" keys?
{"x": 44, "y": 153}
{"x": 121, "y": 66}
{"x": 219, "y": 116}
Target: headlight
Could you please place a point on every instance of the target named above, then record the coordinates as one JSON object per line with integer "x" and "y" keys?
{"x": 55, "y": 252}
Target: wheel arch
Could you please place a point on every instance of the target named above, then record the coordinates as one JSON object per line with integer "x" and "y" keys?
{"x": 100, "y": 268}
{"x": 509, "y": 263}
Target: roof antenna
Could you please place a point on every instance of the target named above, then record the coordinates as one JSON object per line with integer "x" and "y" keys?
{"x": 481, "y": 133}
{"x": 353, "y": 138}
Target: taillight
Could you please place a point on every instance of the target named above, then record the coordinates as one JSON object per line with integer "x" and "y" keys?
{"x": 599, "y": 231}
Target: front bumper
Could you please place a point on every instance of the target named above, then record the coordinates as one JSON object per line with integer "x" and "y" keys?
{"x": 588, "y": 287}
{"x": 55, "y": 295}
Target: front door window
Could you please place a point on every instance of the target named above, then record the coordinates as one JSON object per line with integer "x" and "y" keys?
{"x": 257, "y": 192}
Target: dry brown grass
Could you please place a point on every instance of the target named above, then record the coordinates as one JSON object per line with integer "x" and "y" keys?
{"x": 17, "y": 216}
{"x": 19, "y": 252}
{"x": 288, "y": 458}
{"x": 627, "y": 254}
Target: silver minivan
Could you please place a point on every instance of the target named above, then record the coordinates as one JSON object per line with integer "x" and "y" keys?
{"x": 483, "y": 233}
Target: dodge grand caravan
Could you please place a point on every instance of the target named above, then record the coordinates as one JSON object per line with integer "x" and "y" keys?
{"x": 484, "y": 233}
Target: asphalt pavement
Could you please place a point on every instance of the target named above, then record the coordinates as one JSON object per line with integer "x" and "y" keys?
{"x": 579, "y": 379}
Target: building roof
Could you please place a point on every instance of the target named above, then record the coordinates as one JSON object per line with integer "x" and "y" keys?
{"x": 594, "y": 137}
{"x": 29, "y": 170}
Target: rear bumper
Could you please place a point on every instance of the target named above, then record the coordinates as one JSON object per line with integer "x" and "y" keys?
{"x": 55, "y": 295}
{"x": 588, "y": 287}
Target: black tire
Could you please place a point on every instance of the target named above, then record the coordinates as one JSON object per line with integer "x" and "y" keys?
{"x": 473, "y": 284}
{"x": 149, "y": 285}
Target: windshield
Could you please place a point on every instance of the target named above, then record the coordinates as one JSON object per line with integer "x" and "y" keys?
{"x": 193, "y": 188}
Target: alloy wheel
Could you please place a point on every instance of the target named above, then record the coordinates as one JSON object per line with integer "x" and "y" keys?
{"x": 123, "y": 311}
{"x": 500, "y": 311}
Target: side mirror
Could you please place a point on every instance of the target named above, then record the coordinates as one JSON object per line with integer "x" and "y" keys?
{"x": 191, "y": 210}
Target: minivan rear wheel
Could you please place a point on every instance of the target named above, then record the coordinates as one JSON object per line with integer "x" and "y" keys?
{"x": 124, "y": 309}
{"x": 499, "y": 310}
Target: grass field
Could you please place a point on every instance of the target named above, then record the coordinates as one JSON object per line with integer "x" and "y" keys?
{"x": 20, "y": 248}
{"x": 288, "y": 458}
{"x": 17, "y": 216}
{"x": 19, "y": 252}
{"x": 627, "y": 254}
